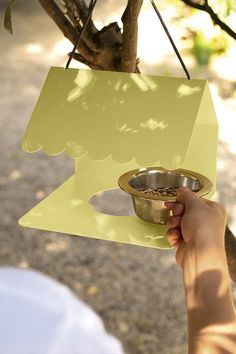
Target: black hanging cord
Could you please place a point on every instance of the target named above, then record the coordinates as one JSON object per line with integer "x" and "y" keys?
{"x": 170, "y": 38}
{"x": 90, "y": 8}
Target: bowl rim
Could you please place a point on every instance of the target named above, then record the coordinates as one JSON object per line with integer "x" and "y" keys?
{"x": 124, "y": 179}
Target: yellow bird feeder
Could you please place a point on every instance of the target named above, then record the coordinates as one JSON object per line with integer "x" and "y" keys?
{"x": 110, "y": 123}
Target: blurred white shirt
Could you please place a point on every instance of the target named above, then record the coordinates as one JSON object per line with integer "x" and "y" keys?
{"x": 40, "y": 316}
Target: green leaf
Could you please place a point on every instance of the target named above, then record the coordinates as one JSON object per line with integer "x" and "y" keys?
{"x": 7, "y": 18}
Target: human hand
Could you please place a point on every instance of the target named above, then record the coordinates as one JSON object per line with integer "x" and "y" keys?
{"x": 196, "y": 224}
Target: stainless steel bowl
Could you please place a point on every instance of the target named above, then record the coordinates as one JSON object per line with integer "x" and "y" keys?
{"x": 151, "y": 207}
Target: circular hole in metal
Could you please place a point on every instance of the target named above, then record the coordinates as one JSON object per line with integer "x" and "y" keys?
{"x": 112, "y": 202}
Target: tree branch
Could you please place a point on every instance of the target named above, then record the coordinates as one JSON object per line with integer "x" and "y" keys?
{"x": 60, "y": 19}
{"x": 215, "y": 18}
{"x": 81, "y": 59}
{"x": 130, "y": 35}
{"x": 73, "y": 11}
{"x": 83, "y": 13}
{"x": 97, "y": 49}
{"x": 65, "y": 26}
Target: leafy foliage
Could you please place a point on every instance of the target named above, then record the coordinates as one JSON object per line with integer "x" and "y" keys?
{"x": 203, "y": 47}
{"x": 7, "y": 17}
{"x": 223, "y": 8}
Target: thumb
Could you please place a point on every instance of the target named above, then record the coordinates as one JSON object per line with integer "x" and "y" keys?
{"x": 186, "y": 197}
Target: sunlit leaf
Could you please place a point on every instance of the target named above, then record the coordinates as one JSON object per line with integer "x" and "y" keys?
{"x": 7, "y": 18}
{"x": 15, "y": 175}
{"x": 92, "y": 290}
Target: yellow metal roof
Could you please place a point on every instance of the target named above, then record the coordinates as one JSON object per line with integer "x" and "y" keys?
{"x": 125, "y": 116}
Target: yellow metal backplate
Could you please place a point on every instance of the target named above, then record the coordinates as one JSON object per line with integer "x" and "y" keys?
{"x": 113, "y": 122}
{"x": 67, "y": 209}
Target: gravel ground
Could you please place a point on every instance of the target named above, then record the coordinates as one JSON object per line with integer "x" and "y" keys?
{"x": 137, "y": 291}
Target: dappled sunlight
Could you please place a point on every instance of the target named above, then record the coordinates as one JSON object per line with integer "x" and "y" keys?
{"x": 119, "y": 108}
{"x": 202, "y": 22}
{"x": 101, "y": 221}
{"x": 99, "y": 24}
{"x": 231, "y": 20}
{"x": 125, "y": 128}
{"x": 219, "y": 338}
{"x": 56, "y": 246}
{"x": 74, "y": 149}
{"x": 153, "y": 124}
{"x": 215, "y": 331}
{"x": 117, "y": 85}
{"x": 150, "y": 50}
{"x": 200, "y": 302}
{"x": 185, "y": 90}
{"x": 75, "y": 202}
{"x": 25, "y": 223}
{"x": 153, "y": 237}
{"x": 226, "y": 114}
{"x": 15, "y": 175}
{"x": 23, "y": 264}
{"x": 83, "y": 80}
{"x": 61, "y": 47}
{"x": 224, "y": 66}
{"x": 221, "y": 164}
{"x": 36, "y": 214}
{"x": 34, "y": 48}
{"x": 40, "y": 194}
{"x": 29, "y": 91}
{"x": 153, "y": 44}
{"x": 125, "y": 87}
{"x": 177, "y": 159}
{"x": 144, "y": 83}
